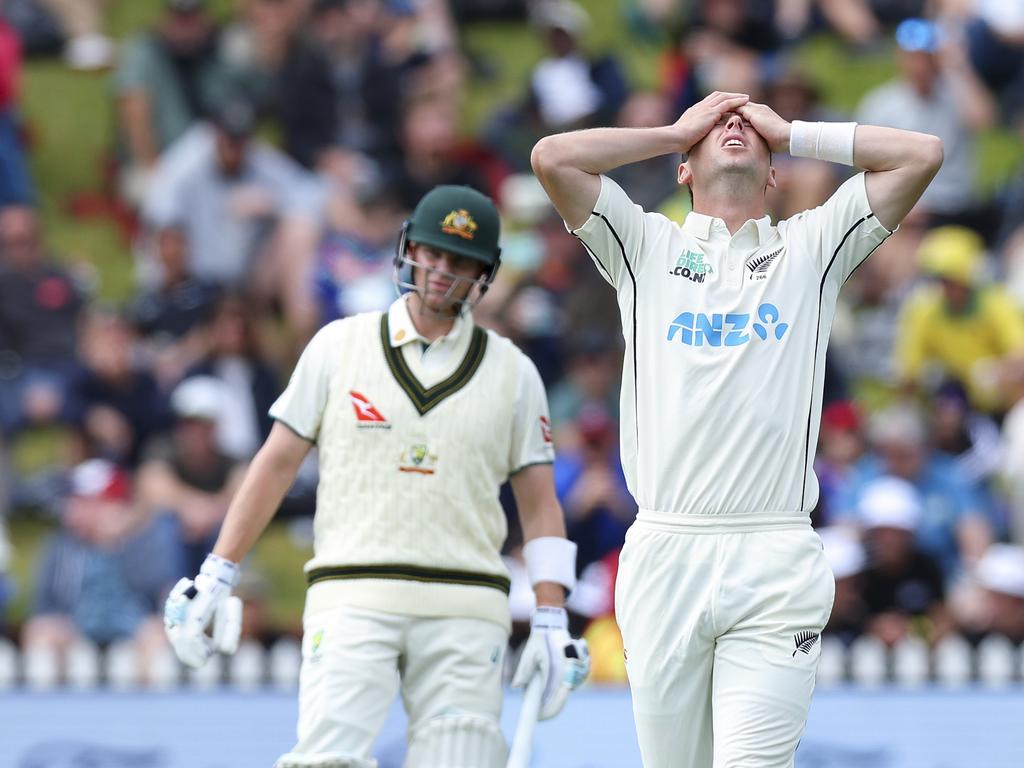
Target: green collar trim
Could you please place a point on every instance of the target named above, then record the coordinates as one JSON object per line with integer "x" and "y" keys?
{"x": 423, "y": 398}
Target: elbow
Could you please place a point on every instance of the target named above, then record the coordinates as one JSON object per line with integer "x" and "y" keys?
{"x": 543, "y": 157}
{"x": 932, "y": 153}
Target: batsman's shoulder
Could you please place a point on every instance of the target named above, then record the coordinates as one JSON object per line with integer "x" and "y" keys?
{"x": 344, "y": 329}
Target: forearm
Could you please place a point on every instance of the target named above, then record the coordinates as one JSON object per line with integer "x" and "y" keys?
{"x": 878, "y": 149}
{"x": 599, "y": 150}
{"x": 539, "y": 522}
{"x": 134, "y": 108}
{"x": 254, "y": 505}
{"x": 550, "y": 559}
{"x": 974, "y": 537}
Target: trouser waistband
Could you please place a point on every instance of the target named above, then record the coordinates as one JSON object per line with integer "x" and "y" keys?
{"x": 689, "y": 523}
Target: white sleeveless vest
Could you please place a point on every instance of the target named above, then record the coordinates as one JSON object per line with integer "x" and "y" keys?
{"x": 408, "y": 518}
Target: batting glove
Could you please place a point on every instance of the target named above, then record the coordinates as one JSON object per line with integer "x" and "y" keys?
{"x": 562, "y": 661}
{"x": 193, "y": 605}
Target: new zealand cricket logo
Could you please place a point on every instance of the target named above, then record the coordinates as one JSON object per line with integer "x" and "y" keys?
{"x": 460, "y": 223}
{"x": 804, "y": 641}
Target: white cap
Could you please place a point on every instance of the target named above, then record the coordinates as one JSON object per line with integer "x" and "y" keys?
{"x": 524, "y": 200}
{"x": 561, "y": 14}
{"x": 1001, "y": 569}
{"x": 199, "y": 397}
{"x": 843, "y": 550}
{"x": 890, "y": 502}
{"x": 902, "y": 424}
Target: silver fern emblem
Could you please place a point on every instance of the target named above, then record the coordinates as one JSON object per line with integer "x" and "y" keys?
{"x": 805, "y": 641}
{"x": 760, "y": 265}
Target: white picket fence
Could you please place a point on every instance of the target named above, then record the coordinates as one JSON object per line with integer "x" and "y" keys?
{"x": 995, "y": 663}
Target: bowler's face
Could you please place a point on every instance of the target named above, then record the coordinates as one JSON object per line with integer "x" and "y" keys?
{"x": 732, "y": 146}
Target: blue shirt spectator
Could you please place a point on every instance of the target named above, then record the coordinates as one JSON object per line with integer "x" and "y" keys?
{"x": 954, "y": 524}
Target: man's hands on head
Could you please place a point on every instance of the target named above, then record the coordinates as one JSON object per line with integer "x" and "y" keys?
{"x": 772, "y": 128}
{"x": 696, "y": 122}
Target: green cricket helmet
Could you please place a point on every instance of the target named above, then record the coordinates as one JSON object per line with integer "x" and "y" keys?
{"x": 456, "y": 219}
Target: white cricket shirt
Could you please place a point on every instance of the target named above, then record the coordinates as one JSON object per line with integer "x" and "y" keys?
{"x": 725, "y": 351}
{"x": 414, "y": 442}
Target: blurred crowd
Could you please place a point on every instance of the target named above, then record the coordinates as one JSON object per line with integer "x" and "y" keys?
{"x": 261, "y": 165}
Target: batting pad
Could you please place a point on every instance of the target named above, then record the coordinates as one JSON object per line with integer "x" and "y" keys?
{"x": 457, "y": 741}
{"x": 330, "y": 760}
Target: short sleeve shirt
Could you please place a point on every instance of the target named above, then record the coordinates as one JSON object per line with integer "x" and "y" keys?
{"x": 725, "y": 348}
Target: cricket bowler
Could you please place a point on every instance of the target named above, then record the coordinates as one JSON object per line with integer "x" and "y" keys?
{"x": 419, "y": 416}
{"x": 723, "y": 588}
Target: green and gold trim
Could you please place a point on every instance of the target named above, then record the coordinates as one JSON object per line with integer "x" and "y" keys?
{"x": 408, "y": 573}
{"x": 424, "y": 399}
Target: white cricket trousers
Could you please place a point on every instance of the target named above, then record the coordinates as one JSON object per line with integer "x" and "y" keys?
{"x": 355, "y": 660}
{"x": 721, "y": 630}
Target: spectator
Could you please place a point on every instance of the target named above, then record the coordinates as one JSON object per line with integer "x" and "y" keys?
{"x": 366, "y": 77}
{"x": 189, "y": 476}
{"x": 354, "y": 271}
{"x": 592, "y": 488}
{"x": 570, "y": 89}
{"x": 87, "y": 47}
{"x": 995, "y": 42}
{"x": 279, "y": 68}
{"x": 1012, "y": 464}
{"x": 103, "y": 575}
{"x": 235, "y": 359}
{"x": 971, "y": 438}
{"x": 860, "y": 22}
{"x": 255, "y": 46}
{"x": 864, "y": 330}
{"x": 1000, "y": 609}
{"x": 967, "y": 328}
{"x": 430, "y": 151}
{"x": 903, "y": 585}
{"x": 16, "y": 186}
{"x": 170, "y": 316}
{"x": 650, "y": 182}
{"x": 801, "y": 183}
{"x": 39, "y": 310}
{"x": 954, "y": 525}
{"x": 841, "y": 446}
{"x": 251, "y": 215}
{"x": 847, "y": 558}
{"x": 591, "y": 377}
{"x": 116, "y": 402}
{"x": 164, "y": 81}
{"x": 937, "y": 92}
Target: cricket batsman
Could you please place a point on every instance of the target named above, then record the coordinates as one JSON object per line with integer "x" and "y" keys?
{"x": 419, "y": 416}
{"x": 723, "y": 588}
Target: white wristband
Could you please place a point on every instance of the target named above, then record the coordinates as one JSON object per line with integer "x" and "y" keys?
{"x": 823, "y": 141}
{"x": 220, "y": 568}
{"x": 551, "y": 558}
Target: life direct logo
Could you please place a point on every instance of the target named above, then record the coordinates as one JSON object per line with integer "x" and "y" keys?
{"x": 696, "y": 329}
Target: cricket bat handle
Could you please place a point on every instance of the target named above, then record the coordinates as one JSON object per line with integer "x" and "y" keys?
{"x": 522, "y": 743}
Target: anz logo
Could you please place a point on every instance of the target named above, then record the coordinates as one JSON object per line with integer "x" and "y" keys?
{"x": 696, "y": 329}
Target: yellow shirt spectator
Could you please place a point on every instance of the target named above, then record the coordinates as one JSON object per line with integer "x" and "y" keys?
{"x": 957, "y": 325}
